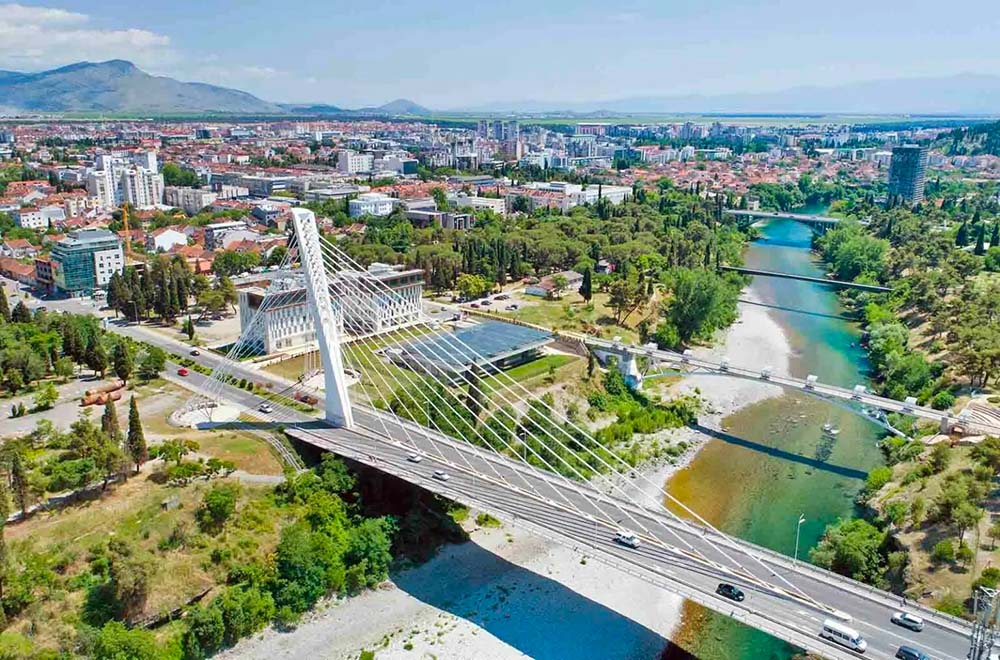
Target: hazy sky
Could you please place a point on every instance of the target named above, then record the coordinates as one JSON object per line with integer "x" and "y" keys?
{"x": 447, "y": 53}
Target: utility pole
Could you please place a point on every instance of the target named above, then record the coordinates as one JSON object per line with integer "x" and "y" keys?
{"x": 984, "y": 629}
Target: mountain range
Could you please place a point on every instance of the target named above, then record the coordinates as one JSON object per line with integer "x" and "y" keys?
{"x": 964, "y": 94}
{"x": 119, "y": 87}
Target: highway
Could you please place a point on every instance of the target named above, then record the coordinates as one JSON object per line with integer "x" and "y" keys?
{"x": 548, "y": 505}
{"x": 865, "y": 398}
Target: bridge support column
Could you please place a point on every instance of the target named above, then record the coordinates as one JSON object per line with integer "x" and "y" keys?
{"x": 630, "y": 370}
{"x": 338, "y": 405}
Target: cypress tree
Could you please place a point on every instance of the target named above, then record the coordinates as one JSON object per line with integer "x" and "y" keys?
{"x": 4, "y": 306}
{"x": 962, "y": 237}
{"x": 109, "y": 424}
{"x": 121, "y": 360}
{"x": 587, "y": 287}
{"x": 995, "y": 236}
{"x": 980, "y": 240}
{"x": 136, "y": 442}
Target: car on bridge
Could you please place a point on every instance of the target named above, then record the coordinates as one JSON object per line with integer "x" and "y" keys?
{"x": 844, "y": 635}
{"x": 910, "y": 653}
{"x": 627, "y": 539}
{"x": 414, "y": 458}
{"x": 907, "y": 620}
{"x": 731, "y": 592}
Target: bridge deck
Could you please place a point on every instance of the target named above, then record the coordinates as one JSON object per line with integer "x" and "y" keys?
{"x": 875, "y": 288}
{"x": 547, "y": 505}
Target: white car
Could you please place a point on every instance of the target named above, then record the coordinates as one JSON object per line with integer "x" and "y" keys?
{"x": 907, "y": 620}
{"x": 627, "y": 539}
{"x": 441, "y": 475}
{"x": 414, "y": 458}
{"x": 265, "y": 408}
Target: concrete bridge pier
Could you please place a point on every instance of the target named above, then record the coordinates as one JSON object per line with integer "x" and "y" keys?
{"x": 629, "y": 369}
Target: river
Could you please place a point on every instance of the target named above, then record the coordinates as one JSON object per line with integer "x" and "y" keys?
{"x": 780, "y": 464}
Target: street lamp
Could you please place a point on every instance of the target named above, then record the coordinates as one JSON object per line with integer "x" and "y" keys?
{"x": 798, "y": 528}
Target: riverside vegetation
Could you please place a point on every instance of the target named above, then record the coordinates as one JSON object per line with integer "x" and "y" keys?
{"x": 935, "y": 337}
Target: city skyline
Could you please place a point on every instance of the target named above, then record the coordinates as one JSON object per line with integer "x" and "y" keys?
{"x": 450, "y": 56}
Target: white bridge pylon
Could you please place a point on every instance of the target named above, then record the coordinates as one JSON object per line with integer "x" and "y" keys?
{"x": 338, "y": 405}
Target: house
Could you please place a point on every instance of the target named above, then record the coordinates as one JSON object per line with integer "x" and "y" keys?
{"x": 44, "y": 276}
{"x": 546, "y": 287}
{"x": 34, "y": 217}
{"x": 17, "y": 248}
{"x": 15, "y": 270}
{"x": 604, "y": 267}
{"x": 165, "y": 239}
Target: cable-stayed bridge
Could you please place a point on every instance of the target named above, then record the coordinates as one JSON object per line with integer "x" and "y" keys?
{"x": 405, "y": 401}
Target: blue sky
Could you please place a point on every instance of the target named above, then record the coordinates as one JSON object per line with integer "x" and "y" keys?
{"x": 448, "y": 54}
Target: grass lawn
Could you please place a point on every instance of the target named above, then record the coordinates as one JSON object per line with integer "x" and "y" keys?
{"x": 528, "y": 372}
{"x": 249, "y": 452}
{"x": 573, "y": 314}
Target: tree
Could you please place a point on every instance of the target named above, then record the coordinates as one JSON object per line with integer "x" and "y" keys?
{"x": 109, "y": 423}
{"x": 130, "y": 572}
{"x": 591, "y": 364}
{"x": 188, "y": 328}
{"x": 440, "y": 198}
{"x": 135, "y": 443}
{"x": 472, "y": 286}
{"x": 217, "y": 506}
{"x": 701, "y": 302}
{"x": 994, "y": 533}
{"x": 175, "y": 449}
{"x": 110, "y": 460}
{"x": 587, "y": 287}
{"x": 624, "y": 297}
{"x": 46, "y": 396}
{"x": 853, "y": 548}
{"x": 95, "y": 358}
{"x": 116, "y": 642}
{"x": 4, "y": 514}
{"x": 121, "y": 360}
{"x": 966, "y": 515}
{"x": 4, "y": 305}
{"x": 559, "y": 284}
{"x": 63, "y": 368}
{"x": 227, "y": 290}
{"x": 21, "y": 313}
{"x": 153, "y": 361}
{"x": 962, "y": 236}
{"x": 980, "y": 248}
{"x": 940, "y": 457}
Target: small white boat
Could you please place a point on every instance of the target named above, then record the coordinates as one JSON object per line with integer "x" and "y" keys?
{"x": 830, "y": 429}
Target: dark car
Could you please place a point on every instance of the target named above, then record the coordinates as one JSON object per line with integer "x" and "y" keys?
{"x": 910, "y": 653}
{"x": 730, "y": 592}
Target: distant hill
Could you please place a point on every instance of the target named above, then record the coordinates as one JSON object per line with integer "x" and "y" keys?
{"x": 398, "y": 107}
{"x": 117, "y": 86}
{"x": 312, "y": 109}
{"x": 973, "y": 94}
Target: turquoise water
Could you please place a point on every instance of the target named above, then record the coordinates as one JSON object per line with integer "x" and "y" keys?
{"x": 781, "y": 464}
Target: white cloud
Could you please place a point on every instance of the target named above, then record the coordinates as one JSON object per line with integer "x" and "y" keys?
{"x": 41, "y": 37}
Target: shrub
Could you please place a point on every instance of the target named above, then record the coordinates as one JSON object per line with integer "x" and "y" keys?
{"x": 486, "y": 520}
{"x": 944, "y": 551}
{"x": 950, "y": 605}
{"x": 218, "y": 504}
{"x": 989, "y": 578}
{"x": 877, "y": 478}
{"x": 943, "y": 400}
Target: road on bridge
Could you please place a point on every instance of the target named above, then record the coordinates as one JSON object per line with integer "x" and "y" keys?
{"x": 548, "y": 505}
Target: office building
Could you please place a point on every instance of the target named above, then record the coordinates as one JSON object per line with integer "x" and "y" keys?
{"x": 85, "y": 260}
{"x": 371, "y": 204}
{"x": 287, "y": 323}
{"x": 351, "y": 162}
{"x": 215, "y": 233}
{"x": 907, "y": 171}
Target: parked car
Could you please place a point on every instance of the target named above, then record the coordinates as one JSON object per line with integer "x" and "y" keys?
{"x": 182, "y": 371}
{"x": 627, "y": 538}
{"x": 441, "y": 475}
{"x": 907, "y": 620}
{"x": 476, "y": 305}
{"x": 731, "y": 592}
{"x": 511, "y": 307}
{"x": 502, "y": 296}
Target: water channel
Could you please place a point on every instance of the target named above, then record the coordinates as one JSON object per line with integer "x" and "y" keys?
{"x": 780, "y": 463}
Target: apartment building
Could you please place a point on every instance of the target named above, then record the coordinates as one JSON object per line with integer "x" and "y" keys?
{"x": 351, "y": 162}
{"x": 191, "y": 200}
{"x": 371, "y": 203}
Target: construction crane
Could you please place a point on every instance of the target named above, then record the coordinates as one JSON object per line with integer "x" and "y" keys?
{"x": 128, "y": 236}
